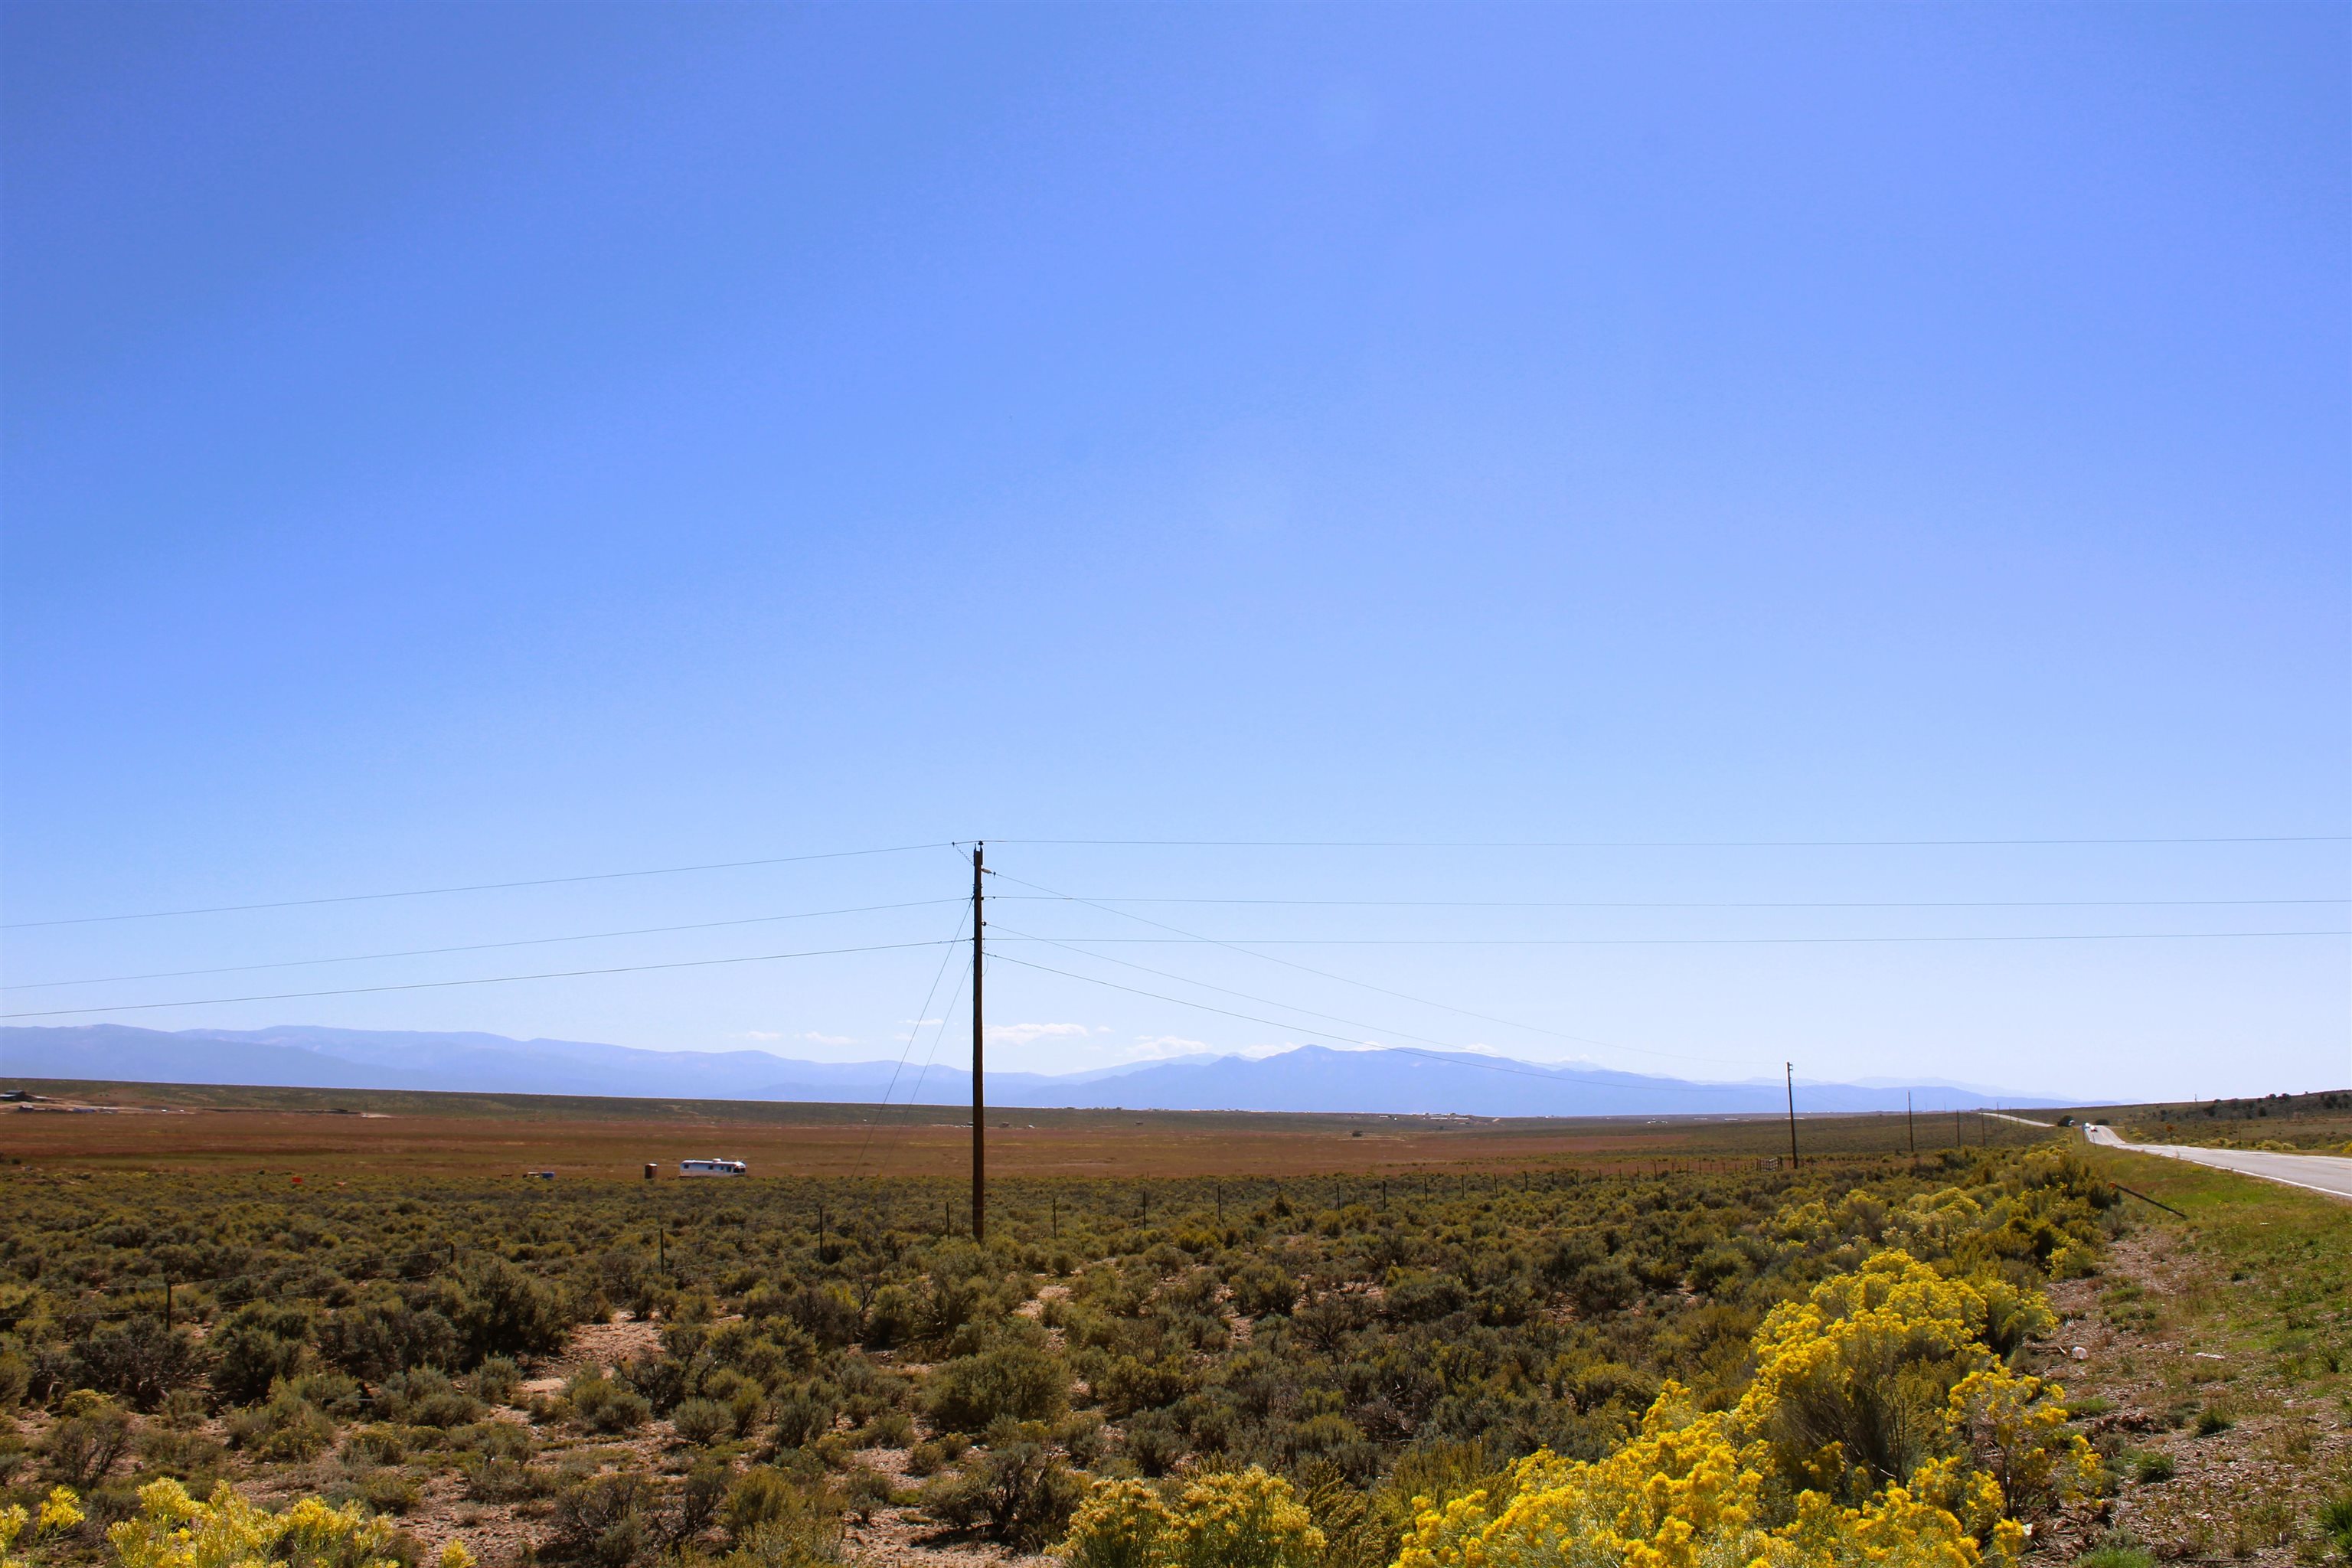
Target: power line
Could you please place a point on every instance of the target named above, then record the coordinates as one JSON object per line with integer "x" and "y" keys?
{"x": 469, "y": 888}
{"x": 1682, "y": 940}
{"x": 474, "y": 947}
{"x": 915, "y": 1096}
{"x": 1455, "y": 1057}
{"x": 939, "y": 1033}
{"x": 1771, "y": 904}
{"x": 1367, "y": 986}
{"x": 1223, "y": 990}
{"x": 913, "y": 1033}
{"x": 485, "y": 980}
{"x": 1662, "y": 843}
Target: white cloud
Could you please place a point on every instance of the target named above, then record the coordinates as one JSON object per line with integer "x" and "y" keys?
{"x": 1029, "y": 1034}
{"x": 1150, "y": 1046}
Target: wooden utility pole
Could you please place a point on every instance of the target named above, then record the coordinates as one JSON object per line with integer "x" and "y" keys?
{"x": 1788, "y": 1076}
{"x": 1910, "y": 1127}
{"x": 979, "y": 1100}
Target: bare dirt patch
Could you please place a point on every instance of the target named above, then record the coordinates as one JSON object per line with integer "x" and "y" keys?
{"x": 604, "y": 1346}
{"x": 2220, "y": 1456}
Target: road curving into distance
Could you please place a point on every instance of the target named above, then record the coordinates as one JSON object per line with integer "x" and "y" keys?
{"x": 2328, "y": 1174}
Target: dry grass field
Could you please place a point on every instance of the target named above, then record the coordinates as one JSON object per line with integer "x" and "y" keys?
{"x": 345, "y": 1132}
{"x": 2321, "y": 1122}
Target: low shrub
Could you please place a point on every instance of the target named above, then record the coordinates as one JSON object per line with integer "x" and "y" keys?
{"x": 1260, "y": 1290}
{"x": 700, "y": 1497}
{"x": 495, "y": 1381}
{"x": 889, "y": 1429}
{"x": 56, "y": 1515}
{"x": 602, "y": 1405}
{"x": 1017, "y": 1380}
{"x": 389, "y": 1491}
{"x": 425, "y": 1396}
{"x": 768, "y": 1513}
{"x": 380, "y": 1444}
{"x": 1118, "y": 1524}
{"x": 284, "y": 1426}
{"x": 491, "y": 1440}
{"x": 863, "y": 1490}
{"x": 190, "y": 1457}
{"x": 1245, "y": 1519}
{"x": 258, "y": 1346}
{"x": 702, "y": 1421}
{"x": 140, "y": 1361}
{"x": 1154, "y": 1444}
{"x": 1015, "y": 1491}
{"x": 493, "y": 1478}
{"x": 171, "y": 1529}
{"x": 89, "y": 1434}
{"x": 928, "y": 1458}
{"x": 805, "y": 1415}
{"x": 331, "y": 1392}
{"x": 500, "y": 1310}
{"x": 605, "y": 1519}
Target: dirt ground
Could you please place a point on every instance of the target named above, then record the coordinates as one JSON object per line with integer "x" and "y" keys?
{"x": 2245, "y": 1492}
{"x": 325, "y": 1135}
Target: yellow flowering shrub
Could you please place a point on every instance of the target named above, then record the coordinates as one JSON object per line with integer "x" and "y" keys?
{"x": 1896, "y": 1529}
{"x": 1245, "y": 1519}
{"x": 1850, "y": 1383}
{"x": 1880, "y": 1428}
{"x": 1676, "y": 1495}
{"x": 59, "y": 1511}
{"x": 1120, "y": 1525}
{"x": 2015, "y": 1427}
{"x": 173, "y": 1529}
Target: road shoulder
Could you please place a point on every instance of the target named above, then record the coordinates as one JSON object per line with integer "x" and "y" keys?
{"x": 2211, "y": 1361}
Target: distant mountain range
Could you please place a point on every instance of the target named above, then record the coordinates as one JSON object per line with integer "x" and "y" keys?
{"x": 1312, "y": 1078}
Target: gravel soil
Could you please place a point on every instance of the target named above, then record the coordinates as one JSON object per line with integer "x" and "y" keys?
{"x": 2139, "y": 1341}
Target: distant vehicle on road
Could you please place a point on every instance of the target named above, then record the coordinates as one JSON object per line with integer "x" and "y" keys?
{"x": 713, "y": 1168}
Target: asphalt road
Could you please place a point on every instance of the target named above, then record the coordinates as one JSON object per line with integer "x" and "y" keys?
{"x": 2329, "y": 1174}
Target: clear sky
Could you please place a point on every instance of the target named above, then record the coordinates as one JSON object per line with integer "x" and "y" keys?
{"x": 460, "y": 443}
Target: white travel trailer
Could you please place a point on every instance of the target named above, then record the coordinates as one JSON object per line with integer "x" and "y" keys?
{"x": 713, "y": 1168}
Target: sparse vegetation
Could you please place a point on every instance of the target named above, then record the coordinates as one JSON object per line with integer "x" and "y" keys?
{"x": 1341, "y": 1342}
{"x": 773, "y": 1390}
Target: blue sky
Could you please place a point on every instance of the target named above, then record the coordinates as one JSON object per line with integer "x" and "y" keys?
{"x": 454, "y": 444}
